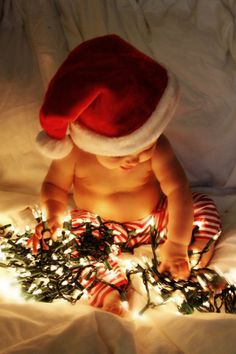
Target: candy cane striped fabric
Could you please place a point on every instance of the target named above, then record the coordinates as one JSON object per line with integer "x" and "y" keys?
{"x": 206, "y": 218}
{"x": 98, "y": 292}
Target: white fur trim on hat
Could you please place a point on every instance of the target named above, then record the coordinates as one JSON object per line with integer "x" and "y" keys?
{"x": 53, "y": 148}
{"x": 126, "y": 145}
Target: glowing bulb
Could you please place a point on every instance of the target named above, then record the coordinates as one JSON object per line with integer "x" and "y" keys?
{"x": 76, "y": 293}
{"x": 30, "y": 256}
{"x": 138, "y": 230}
{"x": 137, "y": 316}
{"x": 85, "y": 294}
{"x": 125, "y": 305}
{"x": 115, "y": 232}
{"x": 37, "y": 213}
{"x": 113, "y": 257}
{"x": 59, "y": 271}
{"x": 202, "y": 282}
{"x": 198, "y": 223}
{"x": 32, "y": 287}
{"x": 112, "y": 273}
{"x": 159, "y": 300}
{"x": 9, "y": 290}
{"x": 128, "y": 264}
{"x": 83, "y": 261}
{"x": 27, "y": 228}
{"x": 152, "y": 221}
{"x": 2, "y": 256}
{"x": 217, "y": 235}
{"x": 69, "y": 250}
{"x": 230, "y": 277}
{"x": 115, "y": 249}
{"x": 59, "y": 232}
{"x": 177, "y": 298}
{"x": 194, "y": 258}
{"x": 66, "y": 218}
{"x": 54, "y": 257}
{"x": 53, "y": 267}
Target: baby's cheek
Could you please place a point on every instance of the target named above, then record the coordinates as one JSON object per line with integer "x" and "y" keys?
{"x": 144, "y": 157}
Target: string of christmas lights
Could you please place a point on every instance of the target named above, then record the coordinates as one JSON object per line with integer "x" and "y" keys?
{"x": 54, "y": 270}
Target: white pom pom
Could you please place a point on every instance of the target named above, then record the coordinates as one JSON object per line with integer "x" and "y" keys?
{"x": 53, "y": 148}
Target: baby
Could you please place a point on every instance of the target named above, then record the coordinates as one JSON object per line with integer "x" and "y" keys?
{"x": 114, "y": 103}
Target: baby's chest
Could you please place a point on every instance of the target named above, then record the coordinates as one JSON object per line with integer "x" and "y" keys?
{"x": 110, "y": 181}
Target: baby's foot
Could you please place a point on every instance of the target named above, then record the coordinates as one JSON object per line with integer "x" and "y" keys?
{"x": 112, "y": 303}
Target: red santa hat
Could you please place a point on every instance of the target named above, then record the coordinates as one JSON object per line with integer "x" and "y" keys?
{"x": 108, "y": 98}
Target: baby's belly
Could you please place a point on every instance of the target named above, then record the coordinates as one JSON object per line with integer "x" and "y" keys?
{"x": 120, "y": 206}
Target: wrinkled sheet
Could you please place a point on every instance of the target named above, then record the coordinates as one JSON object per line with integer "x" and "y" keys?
{"x": 196, "y": 40}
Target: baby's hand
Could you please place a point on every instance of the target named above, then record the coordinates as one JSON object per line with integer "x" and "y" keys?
{"x": 48, "y": 229}
{"x": 53, "y": 223}
{"x": 174, "y": 259}
{"x": 196, "y": 247}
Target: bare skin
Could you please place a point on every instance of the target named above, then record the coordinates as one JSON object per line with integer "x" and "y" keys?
{"x": 123, "y": 189}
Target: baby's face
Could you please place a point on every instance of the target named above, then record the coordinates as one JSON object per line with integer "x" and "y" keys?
{"x": 126, "y": 163}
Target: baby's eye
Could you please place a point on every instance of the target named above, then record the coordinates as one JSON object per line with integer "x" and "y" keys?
{"x": 117, "y": 158}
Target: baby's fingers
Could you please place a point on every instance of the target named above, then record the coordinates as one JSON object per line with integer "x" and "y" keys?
{"x": 178, "y": 270}
{"x": 33, "y": 242}
{"x": 44, "y": 245}
{"x": 41, "y": 232}
{"x": 163, "y": 267}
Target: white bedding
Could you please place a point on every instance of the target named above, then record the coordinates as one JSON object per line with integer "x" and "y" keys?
{"x": 196, "y": 40}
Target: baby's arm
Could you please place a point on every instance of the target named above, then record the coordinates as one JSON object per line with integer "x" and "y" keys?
{"x": 174, "y": 184}
{"x": 54, "y": 191}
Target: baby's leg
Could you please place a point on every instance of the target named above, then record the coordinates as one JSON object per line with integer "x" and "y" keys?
{"x": 208, "y": 223}
{"x": 104, "y": 295}
{"x": 206, "y": 217}
{"x": 112, "y": 303}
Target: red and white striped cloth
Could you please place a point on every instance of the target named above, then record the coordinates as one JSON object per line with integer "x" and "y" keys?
{"x": 206, "y": 218}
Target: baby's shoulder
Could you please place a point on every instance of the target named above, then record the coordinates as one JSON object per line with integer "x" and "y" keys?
{"x": 163, "y": 145}
{"x": 163, "y": 151}
{"x": 80, "y": 156}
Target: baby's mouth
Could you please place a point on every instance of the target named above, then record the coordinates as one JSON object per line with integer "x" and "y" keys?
{"x": 128, "y": 167}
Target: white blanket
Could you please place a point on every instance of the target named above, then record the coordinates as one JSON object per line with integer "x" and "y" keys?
{"x": 196, "y": 40}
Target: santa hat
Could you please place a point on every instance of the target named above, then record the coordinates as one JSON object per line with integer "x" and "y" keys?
{"x": 108, "y": 98}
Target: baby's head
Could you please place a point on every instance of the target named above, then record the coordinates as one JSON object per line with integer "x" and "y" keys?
{"x": 127, "y": 162}
{"x": 109, "y": 99}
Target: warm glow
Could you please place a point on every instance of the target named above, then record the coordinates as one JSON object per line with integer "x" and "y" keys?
{"x": 66, "y": 218}
{"x": 128, "y": 264}
{"x": 152, "y": 221}
{"x": 136, "y": 315}
{"x": 125, "y": 305}
{"x": 9, "y": 288}
{"x": 177, "y": 298}
{"x": 217, "y": 236}
{"x": 198, "y": 223}
{"x": 44, "y": 217}
{"x": 2, "y": 256}
{"x": 202, "y": 282}
{"x": 231, "y": 276}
